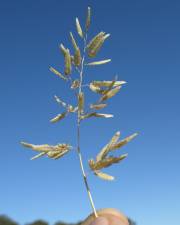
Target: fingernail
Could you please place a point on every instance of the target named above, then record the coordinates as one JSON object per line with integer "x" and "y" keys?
{"x": 100, "y": 221}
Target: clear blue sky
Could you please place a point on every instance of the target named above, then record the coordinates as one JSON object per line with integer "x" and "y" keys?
{"x": 145, "y": 51}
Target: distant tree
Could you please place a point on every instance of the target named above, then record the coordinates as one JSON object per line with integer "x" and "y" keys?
{"x": 63, "y": 223}
{"x": 79, "y": 223}
{"x": 131, "y": 222}
{"x": 4, "y": 220}
{"x": 38, "y": 222}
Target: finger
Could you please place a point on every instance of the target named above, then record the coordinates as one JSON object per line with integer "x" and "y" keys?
{"x": 107, "y": 217}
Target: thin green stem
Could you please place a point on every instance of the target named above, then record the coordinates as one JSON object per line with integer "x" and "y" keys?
{"x": 78, "y": 135}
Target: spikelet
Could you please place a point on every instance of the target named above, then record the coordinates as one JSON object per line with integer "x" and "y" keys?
{"x": 75, "y": 84}
{"x": 110, "y": 93}
{"x": 51, "y": 151}
{"x": 27, "y": 145}
{"x": 58, "y": 117}
{"x": 57, "y": 154}
{"x": 67, "y": 62}
{"x": 104, "y": 176}
{"x": 57, "y": 73}
{"x": 59, "y": 101}
{"x": 77, "y": 57}
{"x": 101, "y": 115}
{"x": 63, "y": 49}
{"x": 52, "y": 154}
{"x": 72, "y": 59}
{"x": 81, "y": 102}
{"x": 38, "y": 155}
{"x": 88, "y": 19}
{"x": 93, "y": 51}
{"x": 108, "y": 83}
{"x": 98, "y": 62}
{"x": 98, "y": 106}
{"x": 46, "y": 148}
{"x": 110, "y": 86}
{"x": 123, "y": 142}
{"x": 68, "y": 107}
{"x": 105, "y": 162}
{"x": 73, "y": 41}
{"x": 107, "y": 148}
{"x": 78, "y": 27}
{"x": 77, "y": 54}
{"x": 94, "y": 88}
{"x": 94, "y": 114}
{"x": 86, "y": 116}
{"x": 92, "y": 44}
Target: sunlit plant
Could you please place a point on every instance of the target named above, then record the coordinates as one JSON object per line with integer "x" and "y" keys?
{"x": 105, "y": 89}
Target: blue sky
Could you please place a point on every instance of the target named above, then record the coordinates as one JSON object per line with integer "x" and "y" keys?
{"x": 145, "y": 51}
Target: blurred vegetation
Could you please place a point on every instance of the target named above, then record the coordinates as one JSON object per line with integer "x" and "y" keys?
{"x": 38, "y": 222}
{"x": 4, "y": 220}
{"x": 131, "y": 222}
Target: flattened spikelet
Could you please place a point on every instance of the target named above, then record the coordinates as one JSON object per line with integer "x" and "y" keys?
{"x": 59, "y": 101}
{"x": 79, "y": 29}
{"x": 81, "y": 101}
{"x": 102, "y": 115}
{"x": 67, "y": 62}
{"x": 106, "y": 162}
{"x": 46, "y": 148}
{"x": 88, "y": 19}
{"x": 77, "y": 54}
{"x": 57, "y": 154}
{"x": 41, "y": 148}
{"x": 98, "y": 106}
{"x": 108, "y": 83}
{"x": 110, "y": 86}
{"x": 85, "y": 116}
{"x": 104, "y": 176}
{"x": 77, "y": 57}
{"x": 95, "y": 40}
{"x": 99, "y": 62}
{"x": 73, "y": 41}
{"x": 110, "y": 93}
{"x": 60, "y": 155}
{"x": 57, "y": 73}
{"x": 93, "y": 51}
{"x": 107, "y": 148}
{"x": 27, "y": 145}
{"x": 94, "y": 114}
{"x": 51, "y": 151}
{"x": 72, "y": 59}
{"x": 63, "y": 49}
{"x": 123, "y": 142}
{"x": 38, "y": 155}
{"x": 58, "y": 117}
{"x": 94, "y": 88}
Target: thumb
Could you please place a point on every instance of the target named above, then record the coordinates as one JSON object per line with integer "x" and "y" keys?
{"x": 107, "y": 217}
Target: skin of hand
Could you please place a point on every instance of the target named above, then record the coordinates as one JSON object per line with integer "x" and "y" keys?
{"x": 107, "y": 216}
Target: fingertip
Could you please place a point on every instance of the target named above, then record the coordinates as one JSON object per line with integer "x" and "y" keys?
{"x": 107, "y": 216}
{"x": 100, "y": 221}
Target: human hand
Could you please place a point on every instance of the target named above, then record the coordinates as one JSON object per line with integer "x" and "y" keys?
{"x": 107, "y": 216}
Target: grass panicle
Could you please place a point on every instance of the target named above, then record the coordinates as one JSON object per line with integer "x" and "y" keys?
{"x": 74, "y": 75}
